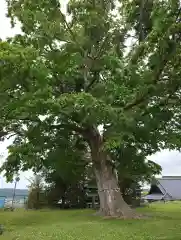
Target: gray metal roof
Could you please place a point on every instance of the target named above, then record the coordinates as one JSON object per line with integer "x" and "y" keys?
{"x": 172, "y": 186}
{"x": 166, "y": 188}
{"x": 171, "y": 177}
{"x": 154, "y": 197}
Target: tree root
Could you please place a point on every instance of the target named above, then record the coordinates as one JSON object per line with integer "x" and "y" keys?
{"x": 133, "y": 216}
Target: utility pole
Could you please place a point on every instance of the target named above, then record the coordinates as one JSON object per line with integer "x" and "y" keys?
{"x": 14, "y": 192}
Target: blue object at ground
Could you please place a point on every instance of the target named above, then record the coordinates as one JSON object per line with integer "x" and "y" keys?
{"x": 2, "y": 203}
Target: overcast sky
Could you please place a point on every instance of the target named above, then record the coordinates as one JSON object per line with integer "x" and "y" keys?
{"x": 169, "y": 160}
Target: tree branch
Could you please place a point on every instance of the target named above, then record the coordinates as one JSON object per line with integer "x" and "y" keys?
{"x": 71, "y": 32}
{"x": 157, "y": 71}
{"x": 144, "y": 97}
{"x": 141, "y": 32}
{"x": 93, "y": 58}
{"x": 102, "y": 47}
{"x": 3, "y": 134}
{"x": 72, "y": 126}
{"x": 164, "y": 101}
{"x": 95, "y": 78}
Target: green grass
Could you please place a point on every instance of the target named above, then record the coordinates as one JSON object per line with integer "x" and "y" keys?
{"x": 164, "y": 223}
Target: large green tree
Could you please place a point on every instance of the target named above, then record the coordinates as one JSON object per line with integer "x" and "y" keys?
{"x": 69, "y": 74}
{"x": 133, "y": 166}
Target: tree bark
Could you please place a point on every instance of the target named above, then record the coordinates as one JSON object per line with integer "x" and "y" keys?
{"x": 112, "y": 203}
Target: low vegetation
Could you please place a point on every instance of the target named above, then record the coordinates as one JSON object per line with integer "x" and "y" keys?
{"x": 163, "y": 223}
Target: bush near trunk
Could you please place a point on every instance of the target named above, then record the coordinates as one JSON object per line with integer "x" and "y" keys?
{"x": 36, "y": 199}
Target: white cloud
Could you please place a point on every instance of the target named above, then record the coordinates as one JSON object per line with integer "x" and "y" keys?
{"x": 5, "y": 26}
{"x": 170, "y": 162}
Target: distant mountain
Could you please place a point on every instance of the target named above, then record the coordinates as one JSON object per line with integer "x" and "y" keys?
{"x": 8, "y": 192}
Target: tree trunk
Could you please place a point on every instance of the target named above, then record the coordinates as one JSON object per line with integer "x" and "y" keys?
{"x": 63, "y": 201}
{"x": 112, "y": 203}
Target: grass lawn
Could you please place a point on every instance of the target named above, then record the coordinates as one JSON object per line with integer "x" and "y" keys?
{"x": 165, "y": 223}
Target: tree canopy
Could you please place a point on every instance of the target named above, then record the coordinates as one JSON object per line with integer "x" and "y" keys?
{"x": 114, "y": 64}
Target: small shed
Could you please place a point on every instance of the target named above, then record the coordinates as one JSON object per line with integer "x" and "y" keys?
{"x": 166, "y": 188}
{"x": 92, "y": 197}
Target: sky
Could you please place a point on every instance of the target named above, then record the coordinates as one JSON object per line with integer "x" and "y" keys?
{"x": 170, "y": 161}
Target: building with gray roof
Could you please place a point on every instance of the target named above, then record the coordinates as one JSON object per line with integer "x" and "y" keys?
{"x": 165, "y": 188}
